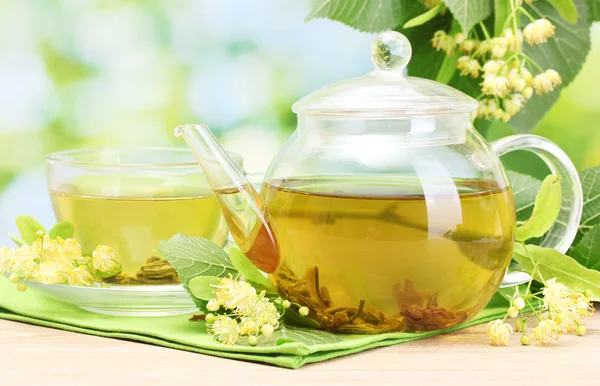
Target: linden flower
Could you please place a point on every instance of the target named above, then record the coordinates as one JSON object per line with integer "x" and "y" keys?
{"x": 495, "y": 85}
{"x": 265, "y": 312}
{"x": 49, "y": 272}
{"x": 467, "y": 46}
{"x": 487, "y": 108}
{"x": 513, "y": 106}
{"x": 492, "y": 67}
{"x": 103, "y": 259}
{"x": 556, "y": 295}
{"x": 80, "y": 276}
{"x": 225, "y": 329}
{"x": 45, "y": 247}
{"x": 442, "y": 41}
{"x": 546, "y": 332}
{"x": 499, "y": 332}
{"x": 538, "y": 31}
{"x": 468, "y": 66}
{"x": 514, "y": 41}
{"x": 248, "y": 326}
{"x": 23, "y": 260}
{"x": 546, "y": 81}
{"x": 236, "y": 295}
{"x": 5, "y": 258}
{"x": 498, "y": 47}
{"x": 69, "y": 249}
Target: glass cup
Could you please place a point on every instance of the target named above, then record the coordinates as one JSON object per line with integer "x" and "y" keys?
{"x": 130, "y": 200}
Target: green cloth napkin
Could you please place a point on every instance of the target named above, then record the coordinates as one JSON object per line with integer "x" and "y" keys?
{"x": 179, "y": 333}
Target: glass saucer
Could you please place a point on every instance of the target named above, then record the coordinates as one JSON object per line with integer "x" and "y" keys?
{"x": 120, "y": 300}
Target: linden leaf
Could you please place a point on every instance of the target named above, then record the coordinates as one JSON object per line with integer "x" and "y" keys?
{"x": 545, "y": 210}
{"x": 587, "y": 251}
{"x": 501, "y": 13}
{"x": 524, "y": 189}
{"x": 424, "y": 17}
{"x": 365, "y": 15}
{"x": 64, "y": 230}
{"x": 296, "y": 319}
{"x": 550, "y": 264}
{"x": 594, "y": 7}
{"x": 566, "y": 9}
{"x": 203, "y": 287}
{"x": 28, "y": 227}
{"x": 17, "y": 240}
{"x": 590, "y": 183}
{"x": 115, "y": 271}
{"x": 196, "y": 256}
{"x": 469, "y": 12}
{"x": 249, "y": 271}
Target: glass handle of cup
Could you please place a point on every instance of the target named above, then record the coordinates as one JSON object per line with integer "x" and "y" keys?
{"x": 564, "y": 230}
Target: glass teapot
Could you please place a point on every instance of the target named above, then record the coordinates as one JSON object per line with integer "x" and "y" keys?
{"x": 385, "y": 210}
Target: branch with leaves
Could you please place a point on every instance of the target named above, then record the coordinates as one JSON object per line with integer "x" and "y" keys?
{"x": 453, "y": 41}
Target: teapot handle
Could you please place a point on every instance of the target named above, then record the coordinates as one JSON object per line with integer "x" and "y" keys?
{"x": 564, "y": 230}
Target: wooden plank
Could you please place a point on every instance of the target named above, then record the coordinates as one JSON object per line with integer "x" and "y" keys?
{"x": 31, "y": 355}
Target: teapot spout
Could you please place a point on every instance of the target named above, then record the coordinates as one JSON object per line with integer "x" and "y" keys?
{"x": 241, "y": 205}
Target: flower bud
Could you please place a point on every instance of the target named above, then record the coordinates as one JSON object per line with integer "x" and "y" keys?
{"x": 512, "y": 312}
{"x": 519, "y": 303}
{"x": 267, "y": 330}
{"x": 14, "y": 278}
{"x": 252, "y": 340}
{"x": 210, "y": 318}
{"x": 286, "y": 304}
{"x": 303, "y": 311}
{"x": 525, "y": 340}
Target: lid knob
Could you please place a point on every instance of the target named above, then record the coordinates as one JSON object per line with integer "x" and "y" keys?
{"x": 390, "y": 51}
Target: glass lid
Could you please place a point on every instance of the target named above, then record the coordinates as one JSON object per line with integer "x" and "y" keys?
{"x": 386, "y": 92}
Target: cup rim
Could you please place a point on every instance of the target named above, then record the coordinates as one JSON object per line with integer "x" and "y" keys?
{"x": 64, "y": 157}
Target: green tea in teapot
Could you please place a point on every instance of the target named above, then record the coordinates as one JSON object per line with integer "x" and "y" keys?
{"x": 373, "y": 256}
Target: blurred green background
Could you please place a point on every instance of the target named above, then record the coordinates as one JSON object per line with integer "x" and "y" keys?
{"x": 102, "y": 73}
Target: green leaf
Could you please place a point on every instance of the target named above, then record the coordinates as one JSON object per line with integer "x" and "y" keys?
{"x": 565, "y": 52}
{"x": 203, "y": 287}
{"x": 566, "y": 9}
{"x": 296, "y": 319}
{"x": 469, "y": 12}
{"x": 366, "y": 15}
{"x": 594, "y": 9}
{"x": 524, "y": 189}
{"x": 64, "y": 230}
{"x": 17, "y": 240}
{"x": 195, "y": 256}
{"x": 28, "y": 227}
{"x": 553, "y": 264}
{"x": 587, "y": 251}
{"x": 590, "y": 183}
{"x": 291, "y": 334}
{"x": 424, "y": 17}
{"x": 545, "y": 210}
{"x": 249, "y": 271}
{"x": 501, "y": 12}
{"x": 115, "y": 271}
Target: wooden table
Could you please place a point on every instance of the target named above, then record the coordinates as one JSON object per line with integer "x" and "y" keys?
{"x": 31, "y": 355}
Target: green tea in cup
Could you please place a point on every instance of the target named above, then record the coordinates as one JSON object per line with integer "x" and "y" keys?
{"x": 130, "y": 200}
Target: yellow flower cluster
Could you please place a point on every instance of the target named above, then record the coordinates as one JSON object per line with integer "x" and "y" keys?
{"x": 563, "y": 311}
{"x": 55, "y": 261}
{"x": 506, "y": 71}
{"x": 243, "y": 312}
